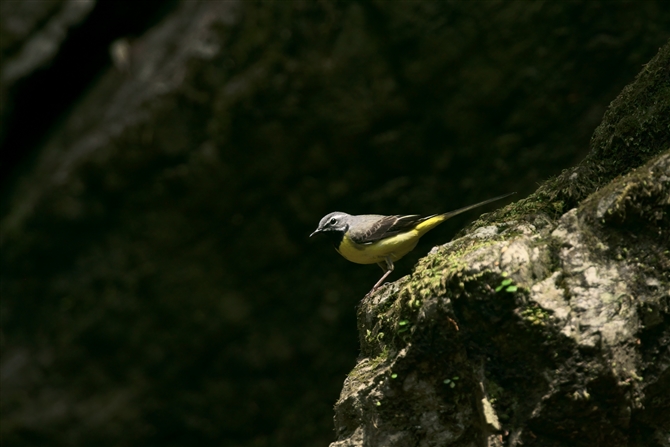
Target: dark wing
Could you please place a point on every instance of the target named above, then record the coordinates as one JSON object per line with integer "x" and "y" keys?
{"x": 386, "y": 226}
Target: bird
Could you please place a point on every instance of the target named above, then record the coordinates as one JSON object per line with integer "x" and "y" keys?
{"x": 379, "y": 239}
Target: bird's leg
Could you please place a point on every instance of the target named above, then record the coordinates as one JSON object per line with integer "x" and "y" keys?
{"x": 388, "y": 267}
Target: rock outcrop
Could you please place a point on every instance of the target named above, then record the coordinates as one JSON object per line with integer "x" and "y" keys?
{"x": 536, "y": 328}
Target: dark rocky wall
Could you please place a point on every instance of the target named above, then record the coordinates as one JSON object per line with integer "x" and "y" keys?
{"x": 157, "y": 284}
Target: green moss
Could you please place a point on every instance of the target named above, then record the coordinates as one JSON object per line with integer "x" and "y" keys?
{"x": 381, "y": 358}
{"x": 365, "y": 370}
{"x": 535, "y": 315}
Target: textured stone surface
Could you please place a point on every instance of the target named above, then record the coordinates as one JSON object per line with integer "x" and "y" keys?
{"x": 526, "y": 336}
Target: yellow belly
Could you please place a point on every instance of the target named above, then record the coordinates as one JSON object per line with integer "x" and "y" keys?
{"x": 394, "y": 248}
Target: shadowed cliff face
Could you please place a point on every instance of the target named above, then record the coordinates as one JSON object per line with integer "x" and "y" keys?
{"x": 157, "y": 284}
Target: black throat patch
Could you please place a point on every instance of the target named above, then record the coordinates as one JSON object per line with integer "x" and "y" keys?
{"x": 335, "y": 237}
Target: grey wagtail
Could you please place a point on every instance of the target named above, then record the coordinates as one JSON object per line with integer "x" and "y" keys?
{"x": 382, "y": 240}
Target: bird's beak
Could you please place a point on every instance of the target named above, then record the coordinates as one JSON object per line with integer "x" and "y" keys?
{"x": 318, "y": 230}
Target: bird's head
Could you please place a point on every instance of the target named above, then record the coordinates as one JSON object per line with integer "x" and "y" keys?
{"x": 333, "y": 222}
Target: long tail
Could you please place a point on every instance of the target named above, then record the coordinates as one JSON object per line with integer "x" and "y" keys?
{"x": 432, "y": 221}
{"x": 451, "y": 214}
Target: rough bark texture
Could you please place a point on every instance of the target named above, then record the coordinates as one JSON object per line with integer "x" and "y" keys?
{"x": 538, "y": 331}
{"x": 158, "y": 287}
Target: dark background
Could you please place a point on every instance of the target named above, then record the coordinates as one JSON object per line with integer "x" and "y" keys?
{"x": 158, "y": 286}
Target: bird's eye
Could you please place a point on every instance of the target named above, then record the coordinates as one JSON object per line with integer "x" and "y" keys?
{"x": 333, "y": 221}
